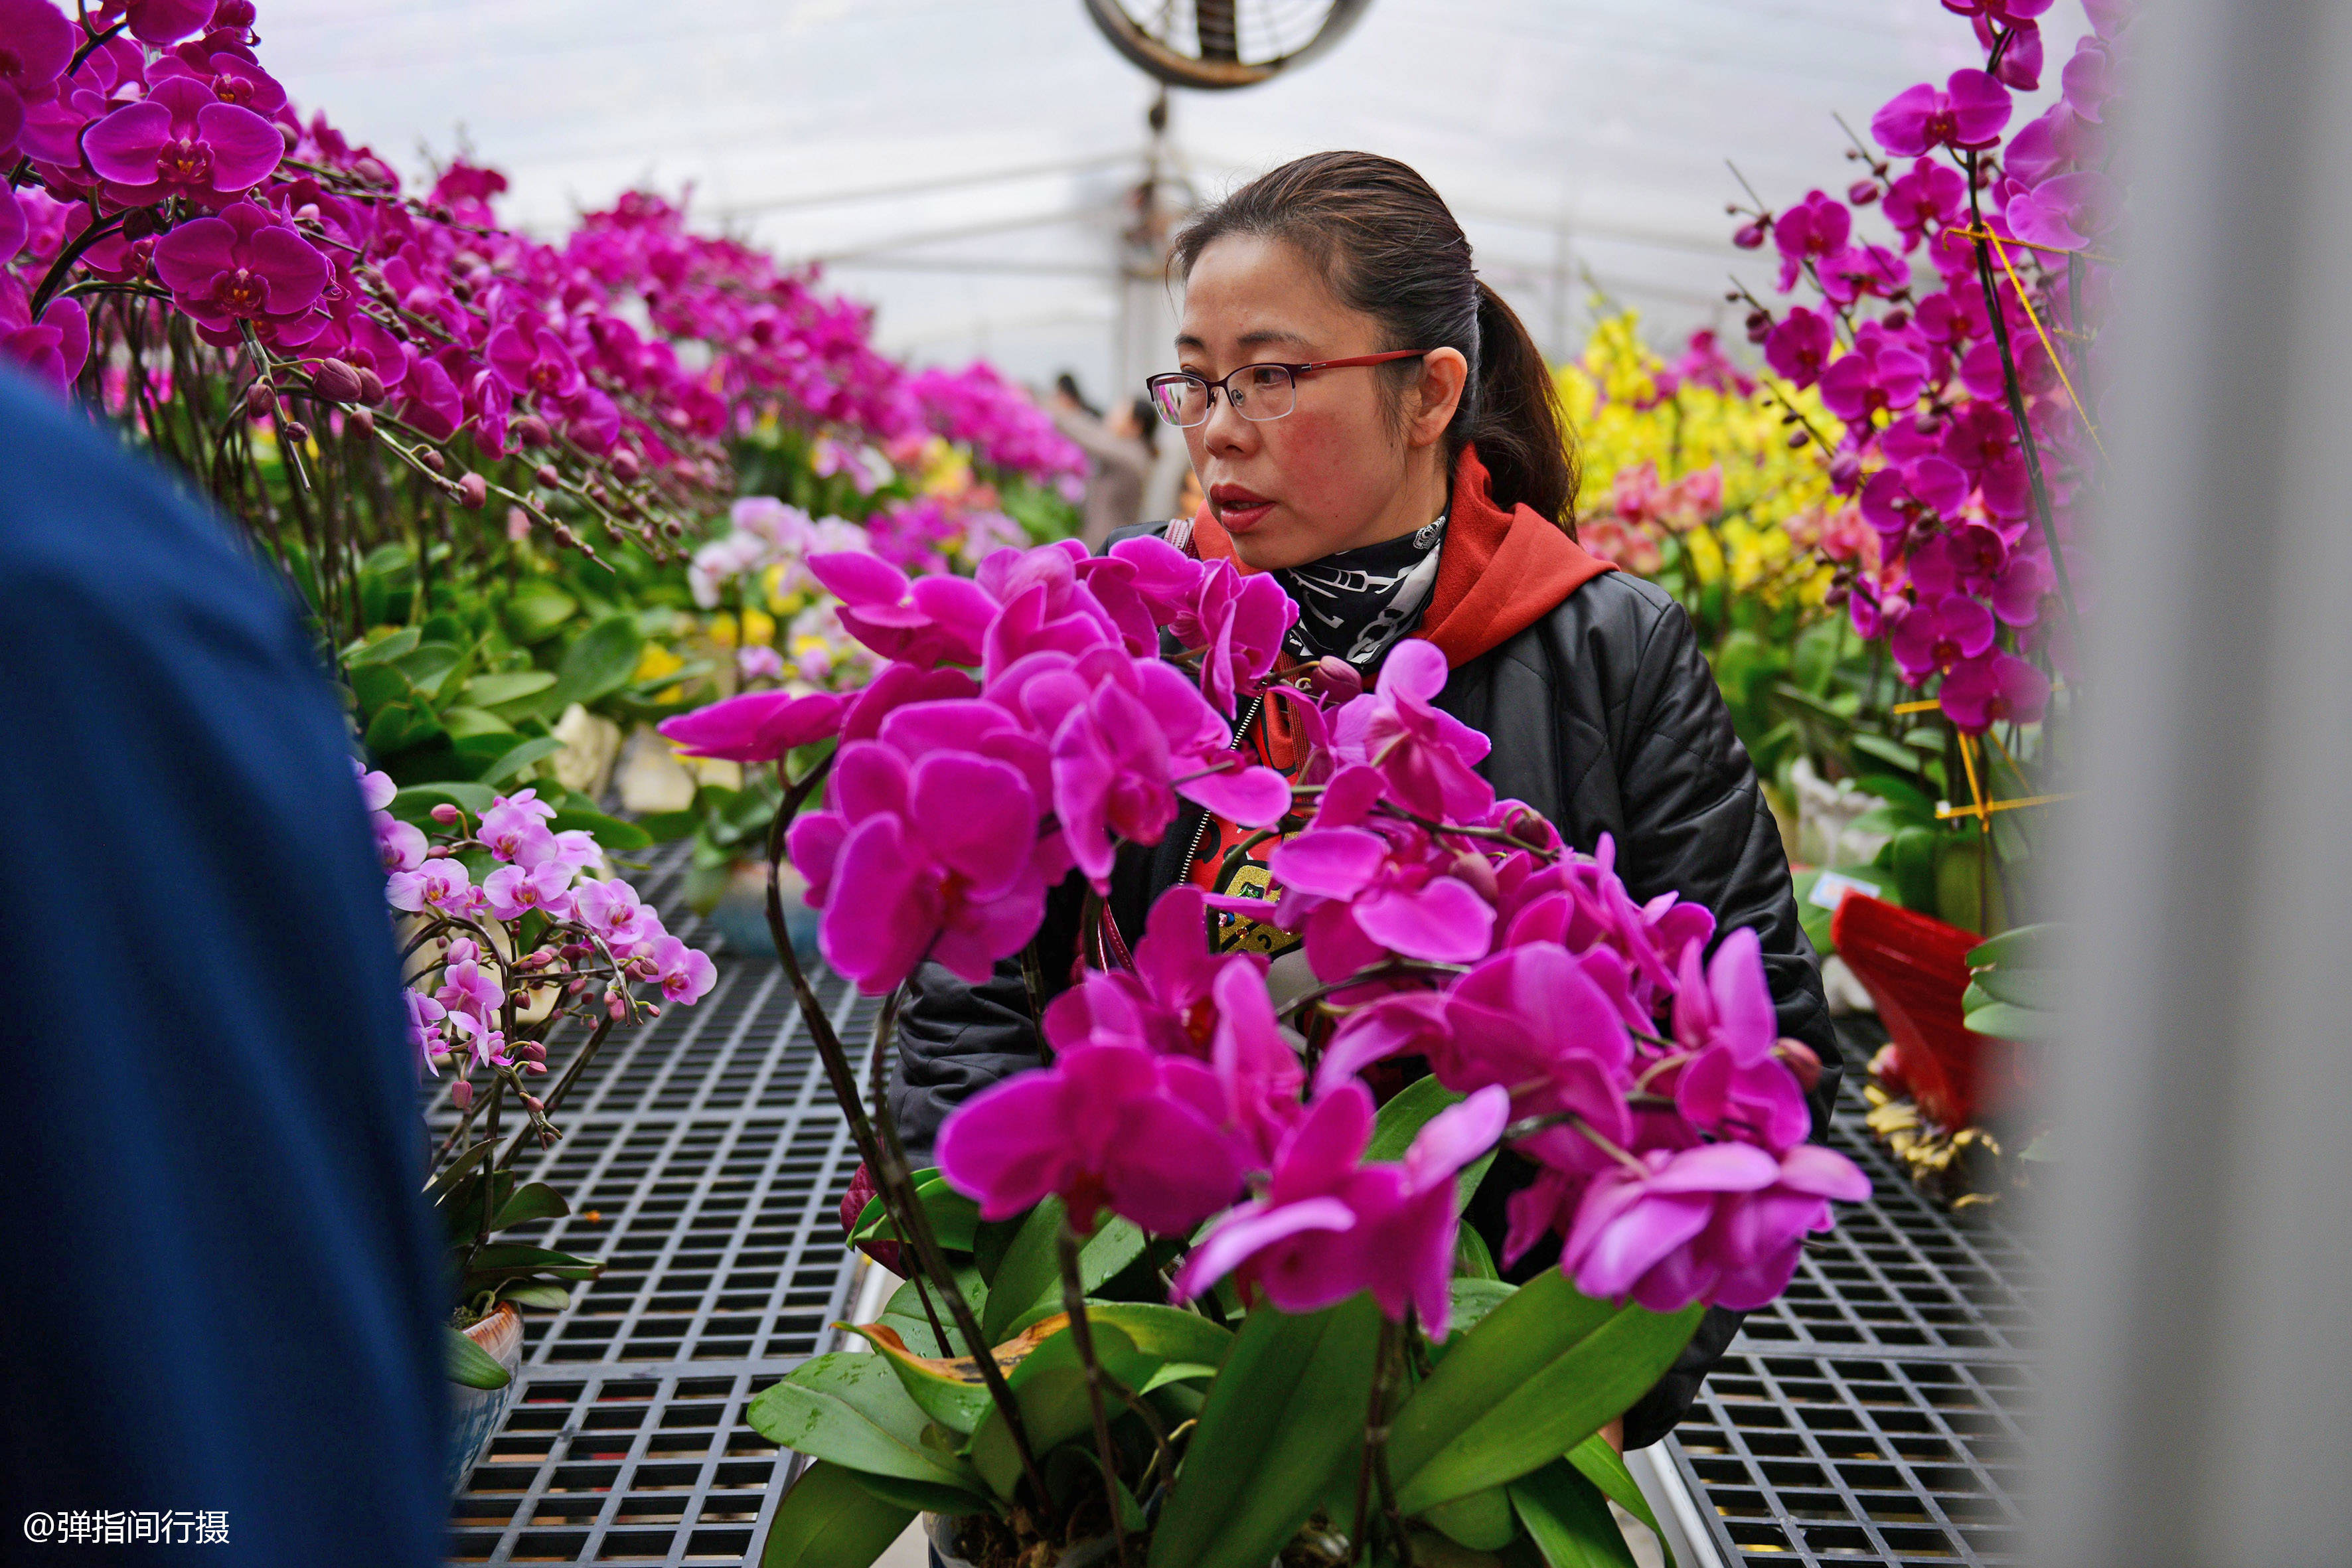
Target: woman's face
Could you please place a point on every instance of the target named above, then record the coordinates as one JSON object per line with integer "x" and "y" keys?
{"x": 1341, "y": 469}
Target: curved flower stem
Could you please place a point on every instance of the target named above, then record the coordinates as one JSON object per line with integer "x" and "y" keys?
{"x": 571, "y": 1071}
{"x": 886, "y": 1029}
{"x": 1387, "y": 969}
{"x": 1074, "y": 1302}
{"x": 883, "y": 1154}
{"x": 1374, "y": 1468}
{"x": 56, "y": 277}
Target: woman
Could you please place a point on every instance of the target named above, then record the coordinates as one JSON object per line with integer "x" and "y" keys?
{"x": 1373, "y": 424}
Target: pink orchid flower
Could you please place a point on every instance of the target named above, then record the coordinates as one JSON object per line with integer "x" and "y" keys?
{"x": 1734, "y": 1087}
{"x": 1329, "y": 1226}
{"x": 244, "y": 265}
{"x": 181, "y": 141}
{"x": 1426, "y": 755}
{"x": 757, "y": 727}
{"x": 1968, "y": 111}
{"x": 1107, "y": 1126}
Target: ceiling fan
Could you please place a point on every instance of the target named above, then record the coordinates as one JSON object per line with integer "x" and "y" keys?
{"x": 1215, "y": 45}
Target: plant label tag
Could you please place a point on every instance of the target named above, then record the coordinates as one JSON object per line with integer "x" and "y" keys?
{"x": 1831, "y": 889}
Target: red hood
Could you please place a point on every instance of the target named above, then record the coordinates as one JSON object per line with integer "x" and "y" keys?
{"x": 1499, "y": 574}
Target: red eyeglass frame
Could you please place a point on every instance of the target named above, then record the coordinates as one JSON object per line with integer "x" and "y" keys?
{"x": 1151, "y": 383}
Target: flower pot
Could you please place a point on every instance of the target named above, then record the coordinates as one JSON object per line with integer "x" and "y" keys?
{"x": 941, "y": 1529}
{"x": 1916, "y": 970}
{"x": 475, "y": 1413}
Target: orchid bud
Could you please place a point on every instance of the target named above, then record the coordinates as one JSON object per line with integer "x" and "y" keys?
{"x": 565, "y": 538}
{"x": 288, "y": 135}
{"x": 373, "y": 171}
{"x": 1801, "y": 1059}
{"x": 675, "y": 529}
{"x": 439, "y": 852}
{"x": 616, "y": 1005}
{"x": 548, "y": 476}
{"x": 1525, "y": 824}
{"x": 1861, "y": 193}
{"x": 531, "y": 1050}
{"x": 261, "y": 399}
{"x": 1845, "y": 473}
{"x": 472, "y": 491}
{"x": 597, "y": 493}
{"x": 1335, "y": 680}
{"x": 533, "y": 1102}
{"x": 432, "y": 460}
{"x": 1796, "y": 439}
{"x": 335, "y": 380}
{"x": 1478, "y": 871}
{"x": 1760, "y": 325}
{"x": 1896, "y": 321}
{"x": 362, "y": 421}
{"x": 532, "y": 431}
{"x": 140, "y": 223}
{"x": 294, "y": 430}
{"x": 461, "y": 1094}
{"x": 446, "y": 815}
{"x": 371, "y": 385}
{"x": 534, "y": 1067}
{"x": 624, "y": 465}
{"x": 576, "y": 987}
{"x": 1749, "y": 235}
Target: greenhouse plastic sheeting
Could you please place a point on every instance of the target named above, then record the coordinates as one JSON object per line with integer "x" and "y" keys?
{"x": 967, "y": 164}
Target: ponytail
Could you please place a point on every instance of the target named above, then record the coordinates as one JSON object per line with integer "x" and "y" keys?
{"x": 1386, "y": 245}
{"x": 1514, "y": 417}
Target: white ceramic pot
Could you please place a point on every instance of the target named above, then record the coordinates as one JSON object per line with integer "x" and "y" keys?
{"x": 476, "y": 1413}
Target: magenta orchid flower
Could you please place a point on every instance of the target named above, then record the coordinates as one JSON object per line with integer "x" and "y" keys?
{"x": 757, "y": 727}
{"x": 1723, "y": 1222}
{"x": 1995, "y": 689}
{"x": 1257, "y": 1066}
{"x": 244, "y": 265}
{"x": 1968, "y": 111}
{"x": 1329, "y": 1226}
{"x": 1168, "y": 1001}
{"x": 936, "y": 620}
{"x": 1426, "y": 755}
{"x": 1238, "y": 624}
{"x": 1734, "y": 1086}
{"x": 1107, "y": 1126}
{"x": 1938, "y": 635}
{"x": 1814, "y": 228}
{"x": 935, "y": 859}
{"x": 181, "y": 140}
{"x": 1362, "y": 895}
{"x": 1801, "y": 345}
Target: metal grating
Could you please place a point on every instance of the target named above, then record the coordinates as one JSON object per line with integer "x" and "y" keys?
{"x": 706, "y": 1164}
{"x": 1881, "y": 1410}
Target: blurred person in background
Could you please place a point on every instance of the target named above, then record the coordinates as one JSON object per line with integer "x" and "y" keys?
{"x": 1119, "y": 448}
{"x": 1375, "y": 427}
{"x": 218, "y": 1281}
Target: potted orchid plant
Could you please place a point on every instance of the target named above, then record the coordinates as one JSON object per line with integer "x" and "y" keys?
{"x": 1188, "y": 1294}
{"x": 508, "y": 934}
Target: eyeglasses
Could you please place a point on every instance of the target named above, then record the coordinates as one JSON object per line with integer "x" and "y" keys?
{"x": 1258, "y": 392}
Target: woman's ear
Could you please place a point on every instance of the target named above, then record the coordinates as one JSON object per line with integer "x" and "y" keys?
{"x": 1437, "y": 395}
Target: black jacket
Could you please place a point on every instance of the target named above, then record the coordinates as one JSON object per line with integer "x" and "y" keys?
{"x": 1605, "y": 718}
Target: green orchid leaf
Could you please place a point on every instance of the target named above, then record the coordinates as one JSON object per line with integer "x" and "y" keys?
{"x": 1028, "y": 1282}
{"x": 533, "y": 1200}
{"x": 955, "y": 1218}
{"x": 2024, "y": 947}
{"x": 1542, "y": 1372}
{"x": 516, "y": 758}
{"x": 1569, "y": 1518}
{"x": 1284, "y": 1411}
{"x": 1605, "y": 1466}
{"x": 598, "y": 663}
{"x": 2004, "y": 1022}
{"x": 849, "y": 1407}
{"x": 465, "y": 1362}
{"x": 1482, "y": 1521}
{"x": 829, "y": 1520}
{"x": 536, "y": 1293}
{"x": 1050, "y": 1385}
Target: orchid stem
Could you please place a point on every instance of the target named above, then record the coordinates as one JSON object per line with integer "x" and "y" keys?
{"x": 883, "y": 1154}
{"x": 1074, "y": 1302}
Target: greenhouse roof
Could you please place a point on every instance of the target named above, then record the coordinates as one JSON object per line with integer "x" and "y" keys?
{"x": 967, "y": 165}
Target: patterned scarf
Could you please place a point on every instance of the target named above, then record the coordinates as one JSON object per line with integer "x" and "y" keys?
{"x": 1356, "y": 604}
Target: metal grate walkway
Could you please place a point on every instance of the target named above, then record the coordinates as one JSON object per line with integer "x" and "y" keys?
{"x": 1879, "y": 1412}
{"x": 1873, "y": 1413}
{"x": 705, "y": 1164}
